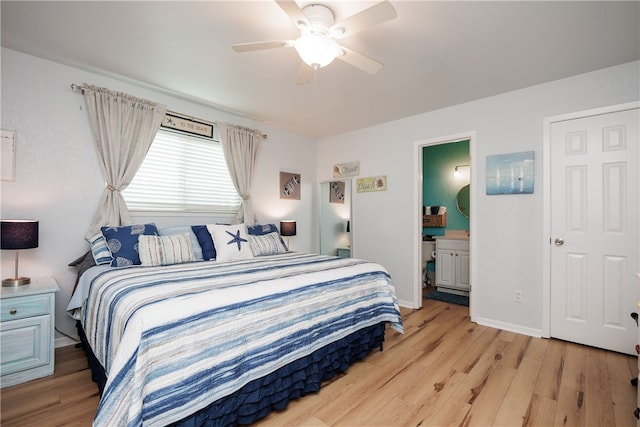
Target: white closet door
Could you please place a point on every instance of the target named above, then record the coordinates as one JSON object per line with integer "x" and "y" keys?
{"x": 594, "y": 230}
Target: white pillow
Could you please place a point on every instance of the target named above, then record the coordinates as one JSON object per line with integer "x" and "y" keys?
{"x": 165, "y": 250}
{"x": 231, "y": 241}
{"x": 184, "y": 229}
{"x": 266, "y": 244}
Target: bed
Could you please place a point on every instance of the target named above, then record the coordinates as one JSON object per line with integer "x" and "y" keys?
{"x": 226, "y": 342}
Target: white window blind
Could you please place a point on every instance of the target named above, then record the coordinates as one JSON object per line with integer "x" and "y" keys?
{"x": 183, "y": 173}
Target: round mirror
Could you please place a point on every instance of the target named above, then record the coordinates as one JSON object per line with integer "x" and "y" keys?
{"x": 462, "y": 201}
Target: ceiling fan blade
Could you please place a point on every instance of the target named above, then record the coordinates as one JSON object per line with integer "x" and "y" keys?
{"x": 248, "y": 47}
{"x": 304, "y": 74}
{"x": 292, "y": 9}
{"x": 360, "y": 61}
{"x": 374, "y": 15}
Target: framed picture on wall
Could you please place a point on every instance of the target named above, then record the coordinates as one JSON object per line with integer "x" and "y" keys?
{"x": 289, "y": 185}
{"x": 336, "y": 193}
{"x": 510, "y": 173}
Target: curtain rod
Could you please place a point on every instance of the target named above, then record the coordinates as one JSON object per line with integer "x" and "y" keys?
{"x": 78, "y": 88}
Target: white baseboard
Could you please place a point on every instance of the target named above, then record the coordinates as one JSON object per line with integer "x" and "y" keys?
{"x": 65, "y": 341}
{"x": 407, "y": 304}
{"x": 518, "y": 329}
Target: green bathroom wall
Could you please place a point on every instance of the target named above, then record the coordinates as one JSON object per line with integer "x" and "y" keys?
{"x": 440, "y": 187}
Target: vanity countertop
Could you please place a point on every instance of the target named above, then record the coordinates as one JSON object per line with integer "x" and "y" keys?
{"x": 452, "y": 237}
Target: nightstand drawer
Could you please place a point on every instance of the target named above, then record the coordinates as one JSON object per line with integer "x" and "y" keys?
{"x": 20, "y": 308}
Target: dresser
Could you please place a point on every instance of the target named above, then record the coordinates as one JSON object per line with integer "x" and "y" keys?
{"x": 27, "y": 318}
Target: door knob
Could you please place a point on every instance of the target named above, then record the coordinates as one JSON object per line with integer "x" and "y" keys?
{"x": 559, "y": 241}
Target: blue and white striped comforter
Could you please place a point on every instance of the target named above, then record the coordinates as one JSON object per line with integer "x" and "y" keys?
{"x": 173, "y": 339}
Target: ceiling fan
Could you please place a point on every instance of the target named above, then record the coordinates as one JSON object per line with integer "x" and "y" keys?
{"x": 317, "y": 44}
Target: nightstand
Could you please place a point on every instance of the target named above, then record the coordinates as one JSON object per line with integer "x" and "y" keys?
{"x": 344, "y": 252}
{"x": 27, "y": 316}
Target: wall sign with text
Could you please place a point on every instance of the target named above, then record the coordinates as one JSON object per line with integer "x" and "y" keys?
{"x": 187, "y": 125}
{"x": 343, "y": 170}
{"x": 373, "y": 183}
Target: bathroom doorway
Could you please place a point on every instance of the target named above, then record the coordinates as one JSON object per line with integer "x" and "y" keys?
{"x": 438, "y": 190}
{"x": 445, "y": 180}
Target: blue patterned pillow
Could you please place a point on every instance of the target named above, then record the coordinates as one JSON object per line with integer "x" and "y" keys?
{"x": 261, "y": 229}
{"x": 123, "y": 242}
{"x": 205, "y": 241}
{"x": 99, "y": 250}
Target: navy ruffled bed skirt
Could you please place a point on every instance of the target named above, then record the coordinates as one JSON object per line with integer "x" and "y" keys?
{"x": 274, "y": 391}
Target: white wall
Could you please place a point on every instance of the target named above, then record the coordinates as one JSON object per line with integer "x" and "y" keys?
{"x": 58, "y": 178}
{"x": 508, "y": 234}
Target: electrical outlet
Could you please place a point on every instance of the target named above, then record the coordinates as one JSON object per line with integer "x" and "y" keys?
{"x": 517, "y": 296}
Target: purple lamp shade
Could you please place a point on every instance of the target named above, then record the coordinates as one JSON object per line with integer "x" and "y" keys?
{"x": 18, "y": 234}
{"x": 287, "y": 228}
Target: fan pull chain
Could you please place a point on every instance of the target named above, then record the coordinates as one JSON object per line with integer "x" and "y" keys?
{"x": 315, "y": 84}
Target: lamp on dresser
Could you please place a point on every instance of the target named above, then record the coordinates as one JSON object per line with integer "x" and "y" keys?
{"x": 18, "y": 234}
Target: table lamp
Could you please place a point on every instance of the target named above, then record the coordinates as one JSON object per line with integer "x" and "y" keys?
{"x": 287, "y": 229}
{"x": 18, "y": 234}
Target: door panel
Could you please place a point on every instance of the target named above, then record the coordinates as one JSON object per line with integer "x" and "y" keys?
{"x": 463, "y": 269}
{"x": 445, "y": 268}
{"x": 594, "y": 226}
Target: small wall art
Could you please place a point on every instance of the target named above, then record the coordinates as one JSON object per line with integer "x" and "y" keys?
{"x": 336, "y": 192}
{"x": 8, "y": 155}
{"x": 510, "y": 173}
{"x": 290, "y": 185}
{"x": 373, "y": 183}
{"x": 343, "y": 170}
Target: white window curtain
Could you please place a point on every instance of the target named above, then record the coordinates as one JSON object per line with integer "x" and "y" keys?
{"x": 124, "y": 127}
{"x": 240, "y": 147}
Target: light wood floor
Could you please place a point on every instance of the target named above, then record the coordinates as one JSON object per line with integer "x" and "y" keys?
{"x": 445, "y": 370}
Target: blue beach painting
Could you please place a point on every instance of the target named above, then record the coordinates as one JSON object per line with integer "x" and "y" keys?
{"x": 510, "y": 173}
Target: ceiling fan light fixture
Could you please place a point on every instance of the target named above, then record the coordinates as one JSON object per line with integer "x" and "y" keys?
{"x": 337, "y": 32}
{"x": 317, "y": 50}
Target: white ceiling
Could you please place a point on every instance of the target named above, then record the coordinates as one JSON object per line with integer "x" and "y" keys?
{"x": 436, "y": 54}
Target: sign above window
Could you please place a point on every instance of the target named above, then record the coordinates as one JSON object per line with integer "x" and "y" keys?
{"x": 189, "y": 125}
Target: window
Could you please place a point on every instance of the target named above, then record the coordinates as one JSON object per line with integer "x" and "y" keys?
{"x": 183, "y": 173}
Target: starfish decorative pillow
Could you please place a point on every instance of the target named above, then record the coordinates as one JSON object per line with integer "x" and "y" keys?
{"x": 231, "y": 242}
